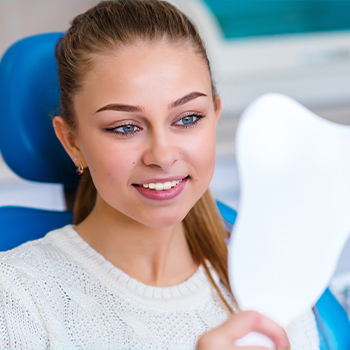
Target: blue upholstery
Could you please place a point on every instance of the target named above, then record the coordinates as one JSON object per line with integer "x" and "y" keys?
{"x": 333, "y": 323}
{"x": 228, "y": 214}
{"x": 29, "y": 93}
{"x": 20, "y": 225}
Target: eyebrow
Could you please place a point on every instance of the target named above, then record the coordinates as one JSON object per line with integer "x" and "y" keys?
{"x": 130, "y": 108}
{"x": 120, "y": 107}
{"x": 185, "y": 99}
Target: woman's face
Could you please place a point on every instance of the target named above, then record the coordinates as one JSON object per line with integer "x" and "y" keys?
{"x": 146, "y": 130}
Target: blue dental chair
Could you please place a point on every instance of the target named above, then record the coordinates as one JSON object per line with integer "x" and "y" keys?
{"x": 29, "y": 94}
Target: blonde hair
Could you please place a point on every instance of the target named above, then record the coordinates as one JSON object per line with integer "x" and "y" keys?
{"x": 118, "y": 23}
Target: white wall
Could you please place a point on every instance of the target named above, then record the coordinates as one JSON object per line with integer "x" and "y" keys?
{"x": 19, "y": 19}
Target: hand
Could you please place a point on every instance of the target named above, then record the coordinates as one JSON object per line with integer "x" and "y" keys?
{"x": 239, "y": 325}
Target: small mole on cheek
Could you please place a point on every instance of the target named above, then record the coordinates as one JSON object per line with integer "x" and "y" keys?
{"x": 109, "y": 174}
{"x": 94, "y": 170}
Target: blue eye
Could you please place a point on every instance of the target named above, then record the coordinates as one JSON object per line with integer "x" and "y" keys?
{"x": 125, "y": 130}
{"x": 189, "y": 120}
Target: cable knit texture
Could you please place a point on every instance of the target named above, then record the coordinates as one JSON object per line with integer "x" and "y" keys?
{"x": 59, "y": 293}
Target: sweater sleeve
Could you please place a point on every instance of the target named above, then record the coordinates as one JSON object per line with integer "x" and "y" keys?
{"x": 302, "y": 332}
{"x": 19, "y": 327}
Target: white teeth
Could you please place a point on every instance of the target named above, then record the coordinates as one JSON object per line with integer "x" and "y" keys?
{"x": 159, "y": 186}
{"x": 167, "y": 185}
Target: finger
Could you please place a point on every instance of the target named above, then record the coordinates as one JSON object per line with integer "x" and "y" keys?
{"x": 210, "y": 341}
{"x": 241, "y": 324}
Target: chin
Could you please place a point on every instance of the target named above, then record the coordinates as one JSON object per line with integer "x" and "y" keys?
{"x": 163, "y": 221}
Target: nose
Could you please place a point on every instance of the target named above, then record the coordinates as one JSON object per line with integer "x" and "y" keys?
{"x": 161, "y": 150}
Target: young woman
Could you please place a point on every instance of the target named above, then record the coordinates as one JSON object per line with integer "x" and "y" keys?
{"x": 145, "y": 264}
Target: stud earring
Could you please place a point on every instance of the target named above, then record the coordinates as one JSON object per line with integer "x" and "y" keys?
{"x": 80, "y": 168}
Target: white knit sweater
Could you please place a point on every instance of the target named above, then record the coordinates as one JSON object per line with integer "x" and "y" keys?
{"x": 59, "y": 293}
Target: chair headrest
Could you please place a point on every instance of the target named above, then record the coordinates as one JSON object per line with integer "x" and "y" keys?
{"x": 29, "y": 95}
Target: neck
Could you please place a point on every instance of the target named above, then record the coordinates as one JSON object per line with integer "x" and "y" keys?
{"x": 154, "y": 256}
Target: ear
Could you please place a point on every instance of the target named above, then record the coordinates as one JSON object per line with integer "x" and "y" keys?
{"x": 217, "y": 107}
{"x": 69, "y": 141}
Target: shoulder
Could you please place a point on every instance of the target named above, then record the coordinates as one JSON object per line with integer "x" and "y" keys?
{"x": 38, "y": 249}
{"x": 31, "y": 278}
{"x": 222, "y": 288}
{"x": 302, "y": 332}
{"x": 33, "y": 260}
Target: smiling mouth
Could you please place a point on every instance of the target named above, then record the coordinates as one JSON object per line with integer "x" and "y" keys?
{"x": 161, "y": 186}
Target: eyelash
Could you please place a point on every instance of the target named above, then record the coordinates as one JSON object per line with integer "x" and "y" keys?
{"x": 185, "y": 126}
{"x": 124, "y": 134}
{"x": 198, "y": 117}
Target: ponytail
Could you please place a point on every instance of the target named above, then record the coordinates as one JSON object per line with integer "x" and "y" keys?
{"x": 85, "y": 198}
{"x": 206, "y": 233}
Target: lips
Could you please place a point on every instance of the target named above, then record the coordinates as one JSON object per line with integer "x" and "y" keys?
{"x": 164, "y": 189}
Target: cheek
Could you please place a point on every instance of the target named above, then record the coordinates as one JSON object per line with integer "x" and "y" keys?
{"x": 108, "y": 162}
{"x": 202, "y": 155}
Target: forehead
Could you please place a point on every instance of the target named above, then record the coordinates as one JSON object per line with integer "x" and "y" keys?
{"x": 145, "y": 70}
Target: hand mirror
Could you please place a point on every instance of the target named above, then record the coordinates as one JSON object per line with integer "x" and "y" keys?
{"x": 294, "y": 211}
